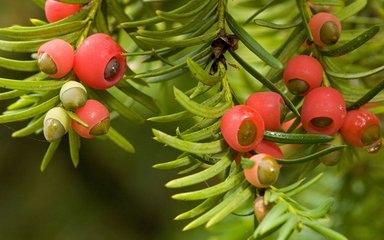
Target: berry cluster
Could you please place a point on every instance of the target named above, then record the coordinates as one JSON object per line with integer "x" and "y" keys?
{"x": 323, "y": 111}
{"x": 57, "y": 58}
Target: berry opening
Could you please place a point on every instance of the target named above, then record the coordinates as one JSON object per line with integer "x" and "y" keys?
{"x": 329, "y": 33}
{"x": 321, "y": 122}
{"x": 111, "y": 69}
{"x": 247, "y": 133}
{"x": 46, "y": 64}
{"x": 298, "y": 86}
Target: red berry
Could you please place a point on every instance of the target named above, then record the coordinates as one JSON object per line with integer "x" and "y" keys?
{"x": 325, "y": 29}
{"x": 302, "y": 74}
{"x": 270, "y": 106}
{"x": 323, "y": 111}
{"x": 55, "y": 58}
{"x": 242, "y": 128}
{"x": 96, "y": 116}
{"x": 55, "y": 11}
{"x": 362, "y": 128}
{"x": 269, "y": 148}
{"x": 264, "y": 172}
{"x": 98, "y": 61}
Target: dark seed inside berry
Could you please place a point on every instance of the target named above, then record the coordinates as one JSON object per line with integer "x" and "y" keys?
{"x": 321, "y": 121}
{"x": 329, "y": 33}
{"x": 297, "y": 86}
{"x": 370, "y": 135}
{"x": 112, "y": 68}
{"x": 46, "y": 64}
{"x": 247, "y": 133}
{"x": 101, "y": 128}
{"x": 268, "y": 171}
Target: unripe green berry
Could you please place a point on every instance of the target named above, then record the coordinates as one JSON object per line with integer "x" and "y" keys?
{"x": 56, "y": 124}
{"x": 73, "y": 95}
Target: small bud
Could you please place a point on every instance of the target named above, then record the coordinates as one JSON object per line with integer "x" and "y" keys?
{"x": 56, "y": 124}
{"x": 260, "y": 209}
{"x": 73, "y": 95}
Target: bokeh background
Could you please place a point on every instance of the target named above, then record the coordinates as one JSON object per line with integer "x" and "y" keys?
{"x": 114, "y": 195}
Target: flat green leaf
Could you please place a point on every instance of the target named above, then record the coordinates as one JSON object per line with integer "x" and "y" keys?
{"x": 217, "y": 189}
{"x": 328, "y": 2}
{"x": 355, "y": 75}
{"x": 341, "y": 49}
{"x": 120, "y": 140}
{"x": 291, "y": 187}
{"x": 175, "y": 17}
{"x": 138, "y": 96}
{"x": 30, "y": 112}
{"x": 201, "y": 208}
{"x": 266, "y": 82}
{"x": 230, "y": 206}
{"x": 311, "y": 157}
{"x": 19, "y": 65}
{"x": 74, "y": 1}
{"x": 271, "y": 225}
{"x": 236, "y": 196}
{"x": 191, "y": 147}
{"x": 367, "y": 97}
{"x": 29, "y": 85}
{"x": 202, "y": 75}
{"x": 351, "y": 9}
{"x": 191, "y": 168}
{"x": 74, "y": 146}
{"x": 49, "y": 154}
{"x": 174, "y": 117}
{"x": 304, "y": 186}
{"x": 172, "y": 42}
{"x": 12, "y": 94}
{"x": 327, "y": 232}
{"x": 180, "y": 162}
{"x": 74, "y": 117}
{"x": 272, "y": 25}
{"x": 34, "y": 126}
{"x": 287, "y": 229}
{"x": 202, "y": 133}
{"x": 320, "y": 211}
{"x": 251, "y": 43}
{"x": 282, "y": 137}
{"x": 203, "y": 175}
{"x": 200, "y": 109}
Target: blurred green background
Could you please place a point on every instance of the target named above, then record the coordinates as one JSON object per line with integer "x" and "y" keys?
{"x": 114, "y": 195}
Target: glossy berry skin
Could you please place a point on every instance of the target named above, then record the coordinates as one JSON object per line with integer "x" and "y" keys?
{"x": 302, "y": 74}
{"x": 325, "y": 29}
{"x": 242, "y": 128}
{"x": 270, "y": 106}
{"x": 61, "y": 56}
{"x": 264, "y": 172}
{"x": 55, "y": 11}
{"x": 92, "y": 113}
{"x": 269, "y": 148}
{"x": 99, "y": 54}
{"x": 323, "y": 111}
{"x": 362, "y": 128}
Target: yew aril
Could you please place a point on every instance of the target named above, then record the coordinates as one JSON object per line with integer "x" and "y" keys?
{"x": 325, "y": 29}
{"x": 55, "y": 11}
{"x": 264, "y": 172}
{"x": 242, "y": 128}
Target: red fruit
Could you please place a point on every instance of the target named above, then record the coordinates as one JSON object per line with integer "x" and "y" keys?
{"x": 96, "y": 116}
{"x": 270, "y": 106}
{"x": 269, "y": 148}
{"x": 325, "y": 29}
{"x": 362, "y": 128}
{"x": 302, "y": 74}
{"x": 98, "y": 61}
{"x": 323, "y": 111}
{"x": 55, "y": 11}
{"x": 264, "y": 172}
{"x": 55, "y": 58}
{"x": 242, "y": 128}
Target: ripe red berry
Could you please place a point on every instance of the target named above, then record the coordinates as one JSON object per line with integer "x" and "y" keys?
{"x": 302, "y": 74}
{"x": 325, "y": 29}
{"x": 55, "y": 11}
{"x": 264, "y": 172}
{"x": 269, "y": 148}
{"x": 98, "y": 61}
{"x": 242, "y": 128}
{"x": 362, "y": 128}
{"x": 95, "y": 115}
{"x": 55, "y": 58}
{"x": 323, "y": 111}
{"x": 270, "y": 106}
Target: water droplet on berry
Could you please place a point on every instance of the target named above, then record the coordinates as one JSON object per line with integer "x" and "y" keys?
{"x": 374, "y": 147}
